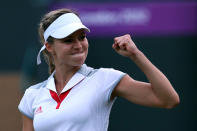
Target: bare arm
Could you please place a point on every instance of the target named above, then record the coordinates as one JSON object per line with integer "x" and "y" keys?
{"x": 157, "y": 93}
{"x": 27, "y": 124}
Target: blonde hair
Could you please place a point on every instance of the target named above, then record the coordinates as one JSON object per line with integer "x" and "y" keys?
{"x": 46, "y": 20}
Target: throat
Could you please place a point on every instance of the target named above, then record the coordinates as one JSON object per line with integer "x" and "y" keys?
{"x": 59, "y": 89}
{"x": 62, "y": 77}
{"x": 60, "y": 86}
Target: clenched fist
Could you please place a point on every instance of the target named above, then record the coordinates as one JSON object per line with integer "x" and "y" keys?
{"x": 124, "y": 46}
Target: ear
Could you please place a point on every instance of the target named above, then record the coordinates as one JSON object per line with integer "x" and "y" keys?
{"x": 49, "y": 47}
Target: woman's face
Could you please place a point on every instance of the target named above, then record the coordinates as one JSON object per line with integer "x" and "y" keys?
{"x": 72, "y": 50}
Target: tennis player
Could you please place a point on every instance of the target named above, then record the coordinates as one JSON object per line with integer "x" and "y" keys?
{"x": 76, "y": 97}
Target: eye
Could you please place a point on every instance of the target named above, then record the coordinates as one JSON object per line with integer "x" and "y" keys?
{"x": 68, "y": 40}
{"x": 82, "y": 37}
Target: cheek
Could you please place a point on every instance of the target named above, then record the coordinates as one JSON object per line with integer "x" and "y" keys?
{"x": 86, "y": 45}
{"x": 53, "y": 52}
{"x": 61, "y": 52}
{"x": 66, "y": 49}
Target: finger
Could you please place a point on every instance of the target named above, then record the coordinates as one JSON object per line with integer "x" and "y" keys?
{"x": 117, "y": 39}
{"x": 115, "y": 46}
{"x": 122, "y": 45}
{"x": 127, "y": 36}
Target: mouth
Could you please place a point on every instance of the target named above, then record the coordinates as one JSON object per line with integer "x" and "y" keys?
{"x": 78, "y": 53}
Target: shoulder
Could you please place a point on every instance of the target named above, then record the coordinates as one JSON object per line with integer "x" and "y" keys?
{"x": 28, "y": 99}
{"x": 105, "y": 74}
{"x": 110, "y": 71}
{"x": 108, "y": 75}
{"x": 109, "y": 78}
{"x": 38, "y": 85}
{"x": 102, "y": 71}
{"x": 34, "y": 88}
{"x": 31, "y": 92}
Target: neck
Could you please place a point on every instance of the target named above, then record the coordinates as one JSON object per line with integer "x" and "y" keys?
{"x": 62, "y": 75}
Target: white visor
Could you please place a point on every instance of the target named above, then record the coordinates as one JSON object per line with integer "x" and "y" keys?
{"x": 62, "y": 27}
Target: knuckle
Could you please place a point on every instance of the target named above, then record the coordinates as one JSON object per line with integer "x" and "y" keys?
{"x": 128, "y": 36}
{"x": 116, "y": 38}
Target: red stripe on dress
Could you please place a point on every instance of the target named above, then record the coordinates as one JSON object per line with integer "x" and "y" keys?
{"x": 59, "y": 98}
{"x": 62, "y": 96}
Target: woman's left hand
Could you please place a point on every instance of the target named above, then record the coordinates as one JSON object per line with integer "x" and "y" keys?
{"x": 124, "y": 46}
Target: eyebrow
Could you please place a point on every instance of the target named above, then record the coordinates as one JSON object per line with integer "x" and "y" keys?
{"x": 71, "y": 36}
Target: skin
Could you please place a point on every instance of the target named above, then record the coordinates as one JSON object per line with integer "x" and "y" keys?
{"x": 27, "y": 124}
{"x": 70, "y": 53}
{"x": 157, "y": 93}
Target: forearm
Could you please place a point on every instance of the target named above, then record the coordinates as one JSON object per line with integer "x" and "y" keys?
{"x": 160, "y": 85}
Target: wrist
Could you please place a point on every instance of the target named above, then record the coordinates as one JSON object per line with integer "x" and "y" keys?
{"x": 135, "y": 55}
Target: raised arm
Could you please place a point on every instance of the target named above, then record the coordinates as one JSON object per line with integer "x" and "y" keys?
{"x": 157, "y": 93}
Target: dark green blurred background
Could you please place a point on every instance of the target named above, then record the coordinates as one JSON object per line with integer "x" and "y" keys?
{"x": 174, "y": 55}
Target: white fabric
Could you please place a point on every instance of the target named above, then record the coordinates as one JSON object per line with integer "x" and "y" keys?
{"x": 86, "y": 108}
{"x": 64, "y": 26}
{"x": 38, "y": 56}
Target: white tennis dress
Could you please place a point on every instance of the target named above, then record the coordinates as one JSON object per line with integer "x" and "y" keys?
{"x": 83, "y": 105}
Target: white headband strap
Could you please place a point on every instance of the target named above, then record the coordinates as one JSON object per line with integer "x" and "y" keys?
{"x": 38, "y": 56}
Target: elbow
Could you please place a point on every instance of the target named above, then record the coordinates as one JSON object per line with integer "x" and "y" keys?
{"x": 173, "y": 103}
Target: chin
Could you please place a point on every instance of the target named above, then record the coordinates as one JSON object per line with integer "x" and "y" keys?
{"x": 79, "y": 62}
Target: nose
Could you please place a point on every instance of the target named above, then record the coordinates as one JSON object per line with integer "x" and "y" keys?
{"x": 77, "y": 44}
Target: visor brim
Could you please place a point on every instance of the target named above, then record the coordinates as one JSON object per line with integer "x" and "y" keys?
{"x": 67, "y": 30}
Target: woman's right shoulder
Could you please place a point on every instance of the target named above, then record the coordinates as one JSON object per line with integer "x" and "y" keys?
{"x": 37, "y": 86}
{"x": 33, "y": 91}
